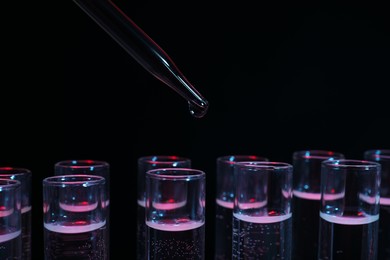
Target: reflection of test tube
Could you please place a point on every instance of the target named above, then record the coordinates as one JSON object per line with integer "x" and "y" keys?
{"x": 382, "y": 156}
{"x": 262, "y": 210}
{"x": 24, "y": 176}
{"x": 175, "y": 213}
{"x": 10, "y": 219}
{"x": 144, "y": 50}
{"x": 349, "y": 211}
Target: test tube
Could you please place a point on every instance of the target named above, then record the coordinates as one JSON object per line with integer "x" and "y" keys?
{"x": 74, "y": 217}
{"x": 175, "y": 213}
{"x": 24, "y": 176}
{"x": 382, "y": 156}
{"x": 146, "y": 163}
{"x": 262, "y": 223}
{"x": 349, "y": 212}
{"x": 225, "y": 189}
{"x": 10, "y": 219}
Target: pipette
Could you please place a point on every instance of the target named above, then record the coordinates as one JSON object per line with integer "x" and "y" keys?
{"x": 144, "y": 50}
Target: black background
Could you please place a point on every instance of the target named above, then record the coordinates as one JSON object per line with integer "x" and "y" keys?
{"x": 278, "y": 79}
